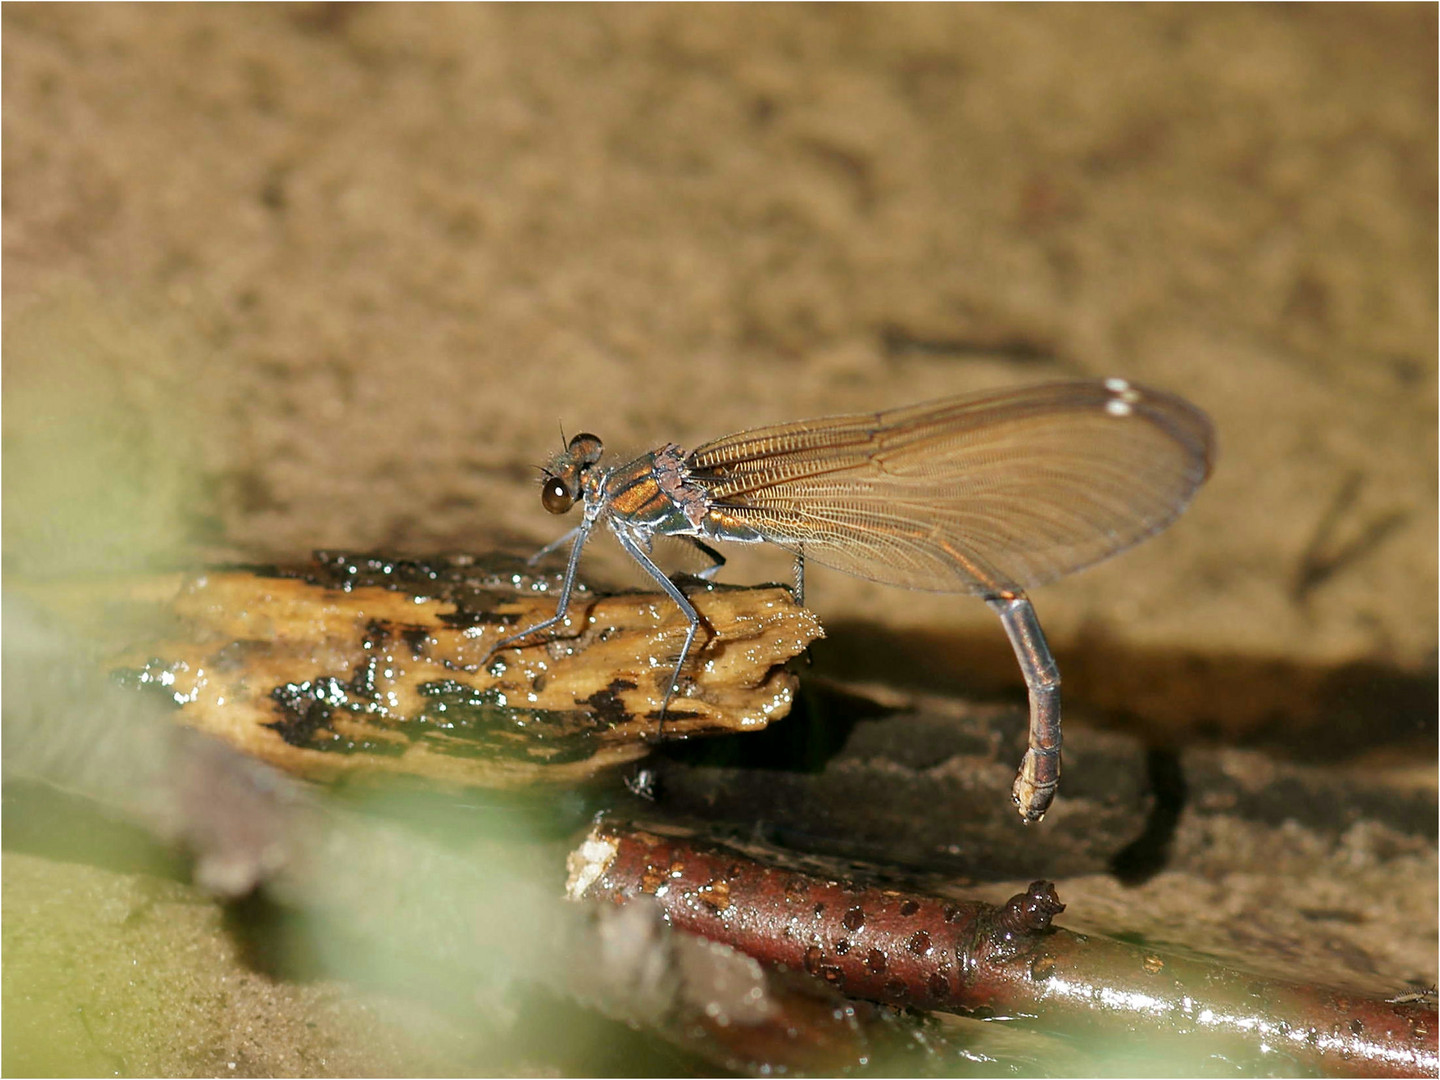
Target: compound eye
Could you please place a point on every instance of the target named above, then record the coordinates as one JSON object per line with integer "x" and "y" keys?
{"x": 555, "y": 496}
{"x": 586, "y": 448}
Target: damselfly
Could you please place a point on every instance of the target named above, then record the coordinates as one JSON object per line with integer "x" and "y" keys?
{"x": 990, "y": 495}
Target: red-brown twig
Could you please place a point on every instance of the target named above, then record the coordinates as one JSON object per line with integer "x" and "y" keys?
{"x": 981, "y": 960}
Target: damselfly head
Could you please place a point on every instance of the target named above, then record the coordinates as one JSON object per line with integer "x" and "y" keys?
{"x": 561, "y": 484}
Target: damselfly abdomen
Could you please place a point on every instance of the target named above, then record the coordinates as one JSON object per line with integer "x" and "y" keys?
{"x": 989, "y": 494}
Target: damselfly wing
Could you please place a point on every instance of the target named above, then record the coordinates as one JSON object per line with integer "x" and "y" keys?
{"x": 989, "y": 494}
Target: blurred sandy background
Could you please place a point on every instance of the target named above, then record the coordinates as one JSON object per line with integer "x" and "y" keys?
{"x": 334, "y": 275}
{"x": 386, "y": 252}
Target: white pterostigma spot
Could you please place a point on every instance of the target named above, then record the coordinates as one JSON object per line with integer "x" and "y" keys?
{"x": 1125, "y": 396}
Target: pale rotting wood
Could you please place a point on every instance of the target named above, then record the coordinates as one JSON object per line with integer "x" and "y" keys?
{"x": 374, "y": 663}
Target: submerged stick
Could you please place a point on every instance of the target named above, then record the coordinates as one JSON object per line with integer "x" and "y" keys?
{"x": 989, "y": 962}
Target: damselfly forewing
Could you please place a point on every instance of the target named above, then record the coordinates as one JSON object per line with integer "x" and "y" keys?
{"x": 988, "y": 494}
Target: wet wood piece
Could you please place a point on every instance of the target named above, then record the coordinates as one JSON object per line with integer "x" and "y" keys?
{"x": 457, "y": 913}
{"x": 374, "y": 663}
{"x": 481, "y": 914}
{"x": 990, "y": 961}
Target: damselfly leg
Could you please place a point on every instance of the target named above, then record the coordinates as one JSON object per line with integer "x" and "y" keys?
{"x": 716, "y": 559}
{"x": 562, "y": 606}
{"x": 636, "y": 549}
{"x": 554, "y": 546}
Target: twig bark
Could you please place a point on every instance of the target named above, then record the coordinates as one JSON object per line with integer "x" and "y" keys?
{"x": 991, "y": 962}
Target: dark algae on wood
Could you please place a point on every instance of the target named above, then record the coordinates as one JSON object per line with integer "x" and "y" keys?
{"x": 365, "y": 662}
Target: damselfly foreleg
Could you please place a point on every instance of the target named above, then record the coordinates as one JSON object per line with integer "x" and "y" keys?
{"x": 554, "y": 545}
{"x": 1039, "y": 773}
{"x": 566, "y": 587}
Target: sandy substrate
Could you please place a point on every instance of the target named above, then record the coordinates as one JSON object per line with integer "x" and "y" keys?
{"x": 285, "y": 277}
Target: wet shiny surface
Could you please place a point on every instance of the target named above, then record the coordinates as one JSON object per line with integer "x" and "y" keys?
{"x": 358, "y": 662}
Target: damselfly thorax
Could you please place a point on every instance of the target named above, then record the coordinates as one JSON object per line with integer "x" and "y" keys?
{"x": 988, "y": 495}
